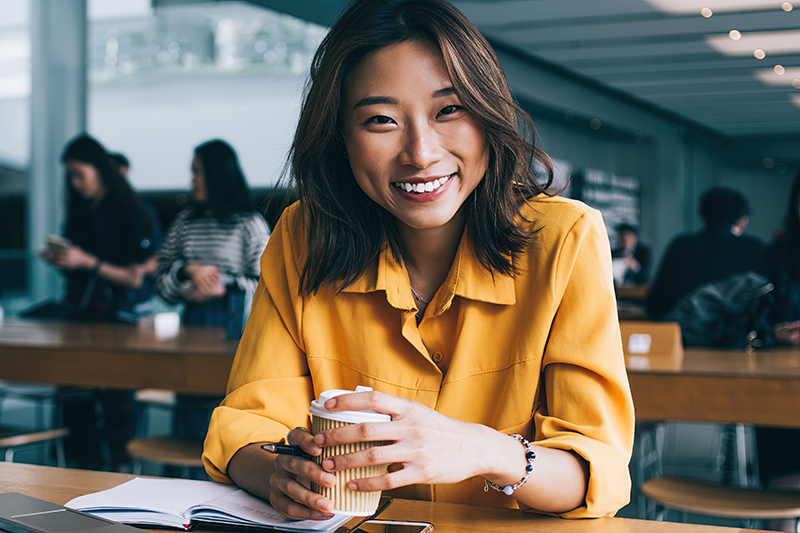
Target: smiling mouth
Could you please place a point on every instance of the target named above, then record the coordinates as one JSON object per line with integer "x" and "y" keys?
{"x": 420, "y": 188}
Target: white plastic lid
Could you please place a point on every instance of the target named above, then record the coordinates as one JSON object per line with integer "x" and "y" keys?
{"x": 351, "y": 417}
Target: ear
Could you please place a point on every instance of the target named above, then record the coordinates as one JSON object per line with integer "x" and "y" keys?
{"x": 738, "y": 226}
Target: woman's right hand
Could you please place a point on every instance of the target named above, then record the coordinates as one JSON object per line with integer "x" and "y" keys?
{"x": 290, "y": 492}
{"x": 204, "y": 277}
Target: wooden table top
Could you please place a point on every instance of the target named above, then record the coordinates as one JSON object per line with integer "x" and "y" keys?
{"x": 192, "y": 360}
{"x": 60, "y": 485}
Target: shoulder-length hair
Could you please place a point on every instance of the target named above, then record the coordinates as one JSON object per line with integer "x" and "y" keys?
{"x": 344, "y": 229}
{"x": 226, "y": 189}
{"x": 119, "y": 192}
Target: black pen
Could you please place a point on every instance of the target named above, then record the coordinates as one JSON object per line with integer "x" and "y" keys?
{"x": 285, "y": 449}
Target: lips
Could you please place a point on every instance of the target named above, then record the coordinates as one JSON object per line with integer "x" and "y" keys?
{"x": 422, "y": 186}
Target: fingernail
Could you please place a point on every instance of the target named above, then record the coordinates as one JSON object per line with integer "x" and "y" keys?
{"x": 319, "y": 439}
{"x": 329, "y": 479}
{"x": 326, "y": 506}
{"x": 330, "y": 404}
{"x": 327, "y": 464}
{"x": 352, "y": 485}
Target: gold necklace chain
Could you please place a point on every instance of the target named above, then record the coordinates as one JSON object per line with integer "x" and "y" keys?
{"x": 417, "y": 296}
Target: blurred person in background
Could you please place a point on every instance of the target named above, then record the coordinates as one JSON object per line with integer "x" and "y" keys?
{"x": 636, "y": 256}
{"x": 782, "y": 268}
{"x": 212, "y": 251}
{"x": 110, "y": 244}
{"x": 213, "y": 247}
{"x": 717, "y": 251}
{"x": 111, "y": 241}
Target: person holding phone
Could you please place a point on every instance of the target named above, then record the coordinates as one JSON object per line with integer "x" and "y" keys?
{"x": 425, "y": 260}
{"x": 110, "y": 241}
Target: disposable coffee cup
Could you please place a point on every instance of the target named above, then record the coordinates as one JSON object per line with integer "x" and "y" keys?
{"x": 344, "y": 500}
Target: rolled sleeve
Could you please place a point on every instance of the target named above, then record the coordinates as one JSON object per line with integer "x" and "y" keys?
{"x": 587, "y": 406}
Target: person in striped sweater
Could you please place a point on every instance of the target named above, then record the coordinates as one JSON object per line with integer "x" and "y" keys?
{"x": 214, "y": 247}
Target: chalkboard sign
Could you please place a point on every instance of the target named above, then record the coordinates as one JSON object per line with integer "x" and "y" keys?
{"x": 618, "y": 198}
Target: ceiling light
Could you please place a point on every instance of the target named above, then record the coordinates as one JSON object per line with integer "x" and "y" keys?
{"x": 758, "y": 53}
{"x": 787, "y": 6}
{"x": 796, "y": 83}
{"x": 595, "y": 124}
{"x": 786, "y": 78}
{"x": 783, "y": 42}
{"x": 735, "y": 35}
{"x": 689, "y": 7}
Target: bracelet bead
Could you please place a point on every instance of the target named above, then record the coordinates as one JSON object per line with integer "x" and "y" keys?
{"x": 530, "y": 455}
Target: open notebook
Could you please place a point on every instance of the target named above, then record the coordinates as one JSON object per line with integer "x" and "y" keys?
{"x": 180, "y": 503}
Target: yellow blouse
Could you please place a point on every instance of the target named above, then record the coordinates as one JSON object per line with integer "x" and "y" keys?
{"x": 537, "y": 354}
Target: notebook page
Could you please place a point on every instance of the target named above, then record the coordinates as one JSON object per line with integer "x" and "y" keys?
{"x": 169, "y": 496}
{"x": 252, "y": 510}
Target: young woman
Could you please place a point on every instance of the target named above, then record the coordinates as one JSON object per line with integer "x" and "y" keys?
{"x": 113, "y": 239}
{"x": 212, "y": 248}
{"x": 424, "y": 260}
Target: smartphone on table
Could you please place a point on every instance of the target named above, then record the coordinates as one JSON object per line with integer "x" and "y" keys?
{"x": 58, "y": 244}
{"x": 390, "y": 526}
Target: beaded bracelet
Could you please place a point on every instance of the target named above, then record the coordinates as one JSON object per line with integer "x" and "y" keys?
{"x": 530, "y": 455}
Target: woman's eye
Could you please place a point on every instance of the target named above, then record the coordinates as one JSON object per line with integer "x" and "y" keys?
{"x": 379, "y": 119}
{"x": 449, "y": 110}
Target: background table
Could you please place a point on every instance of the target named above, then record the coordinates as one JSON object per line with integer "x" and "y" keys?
{"x": 760, "y": 388}
{"x": 60, "y": 485}
{"x": 195, "y": 360}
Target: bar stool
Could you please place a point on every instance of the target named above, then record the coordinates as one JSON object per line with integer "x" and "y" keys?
{"x": 15, "y": 438}
{"x": 746, "y": 504}
{"x": 167, "y": 450}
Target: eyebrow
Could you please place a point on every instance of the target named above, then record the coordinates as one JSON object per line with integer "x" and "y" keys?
{"x": 375, "y": 100}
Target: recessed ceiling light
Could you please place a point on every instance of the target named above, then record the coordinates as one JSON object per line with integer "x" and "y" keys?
{"x": 770, "y": 76}
{"x": 787, "y": 6}
{"x": 783, "y": 42}
{"x": 796, "y": 83}
{"x": 688, "y": 7}
{"x": 758, "y": 53}
{"x": 595, "y": 124}
{"x": 779, "y": 70}
{"x": 735, "y": 35}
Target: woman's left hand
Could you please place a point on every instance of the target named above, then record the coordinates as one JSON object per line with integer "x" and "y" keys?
{"x": 431, "y": 447}
{"x": 74, "y": 258}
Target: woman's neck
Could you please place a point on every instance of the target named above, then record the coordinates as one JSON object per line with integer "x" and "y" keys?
{"x": 429, "y": 253}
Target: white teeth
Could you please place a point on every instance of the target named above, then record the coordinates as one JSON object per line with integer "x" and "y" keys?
{"x": 419, "y": 188}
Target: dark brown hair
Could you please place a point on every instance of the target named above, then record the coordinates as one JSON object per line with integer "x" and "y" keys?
{"x": 344, "y": 229}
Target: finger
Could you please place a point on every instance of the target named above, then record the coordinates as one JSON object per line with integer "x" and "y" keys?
{"x": 301, "y": 437}
{"x": 377, "y": 401}
{"x": 305, "y": 469}
{"x": 293, "y": 509}
{"x": 393, "y": 480}
{"x": 364, "y": 432}
{"x": 375, "y": 455}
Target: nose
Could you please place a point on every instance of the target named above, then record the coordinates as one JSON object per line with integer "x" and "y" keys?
{"x": 421, "y": 147}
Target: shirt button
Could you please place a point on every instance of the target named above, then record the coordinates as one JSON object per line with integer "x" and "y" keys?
{"x": 437, "y": 357}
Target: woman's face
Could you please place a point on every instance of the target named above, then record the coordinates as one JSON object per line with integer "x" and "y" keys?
{"x": 85, "y": 179}
{"x": 198, "y": 181}
{"x": 413, "y": 149}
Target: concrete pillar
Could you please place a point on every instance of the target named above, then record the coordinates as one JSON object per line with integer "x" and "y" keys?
{"x": 58, "y": 112}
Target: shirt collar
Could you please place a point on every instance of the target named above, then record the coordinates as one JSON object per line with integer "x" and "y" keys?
{"x": 467, "y": 278}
